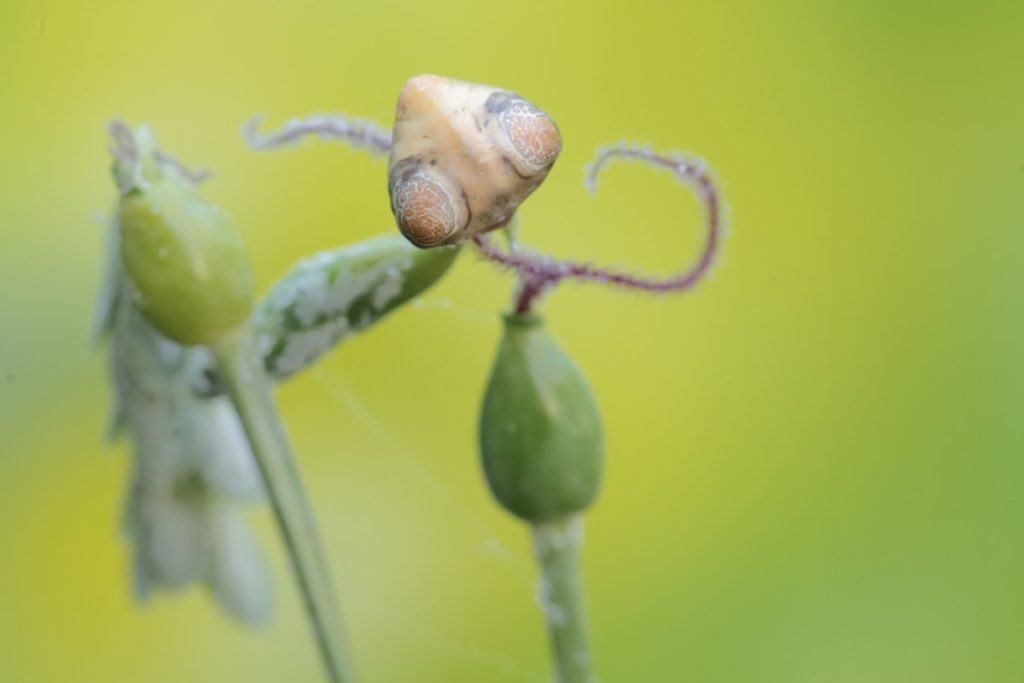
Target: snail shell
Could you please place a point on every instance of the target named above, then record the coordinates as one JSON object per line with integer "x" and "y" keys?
{"x": 463, "y": 157}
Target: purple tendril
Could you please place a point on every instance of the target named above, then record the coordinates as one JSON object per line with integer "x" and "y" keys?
{"x": 359, "y": 133}
{"x": 539, "y": 273}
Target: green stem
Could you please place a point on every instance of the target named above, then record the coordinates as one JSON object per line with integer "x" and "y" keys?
{"x": 557, "y": 547}
{"x": 251, "y": 394}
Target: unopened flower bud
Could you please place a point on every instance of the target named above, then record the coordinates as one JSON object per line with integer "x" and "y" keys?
{"x": 540, "y": 431}
{"x": 188, "y": 266}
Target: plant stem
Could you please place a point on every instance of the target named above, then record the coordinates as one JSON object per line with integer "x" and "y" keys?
{"x": 557, "y": 547}
{"x": 250, "y": 391}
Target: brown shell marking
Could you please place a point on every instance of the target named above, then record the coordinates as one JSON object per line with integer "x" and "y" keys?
{"x": 531, "y": 133}
{"x": 425, "y": 212}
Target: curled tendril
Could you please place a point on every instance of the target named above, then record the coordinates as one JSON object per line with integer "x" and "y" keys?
{"x": 358, "y": 133}
{"x": 128, "y": 153}
{"x": 538, "y": 272}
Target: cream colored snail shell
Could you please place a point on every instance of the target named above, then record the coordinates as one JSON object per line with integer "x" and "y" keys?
{"x": 463, "y": 157}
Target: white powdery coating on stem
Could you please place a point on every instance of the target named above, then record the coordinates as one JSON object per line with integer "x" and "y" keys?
{"x": 554, "y": 613}
{"x": 554, "y": 540}
{"x": 568, "y": 537}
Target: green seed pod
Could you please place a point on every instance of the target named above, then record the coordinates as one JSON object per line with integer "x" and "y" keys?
{"x": 335, "y": 293}
{"x": 540, "y": 431}
{"x": 186, "y": 262}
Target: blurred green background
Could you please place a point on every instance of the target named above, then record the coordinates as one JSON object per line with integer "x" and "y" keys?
{"x": 815, "y": 467}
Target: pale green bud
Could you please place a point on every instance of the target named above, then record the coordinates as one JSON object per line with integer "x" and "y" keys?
{"x": 191, "y": 276}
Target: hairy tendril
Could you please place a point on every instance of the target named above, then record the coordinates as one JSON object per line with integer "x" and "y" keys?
{"x": 358, "y": 133}
{"x": 538, "y": 273}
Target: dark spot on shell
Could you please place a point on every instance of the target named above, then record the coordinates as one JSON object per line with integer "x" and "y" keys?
{"x": 469, "y": 211}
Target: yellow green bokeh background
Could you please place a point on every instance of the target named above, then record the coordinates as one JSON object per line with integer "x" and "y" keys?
{"x": 815, "y": 465}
